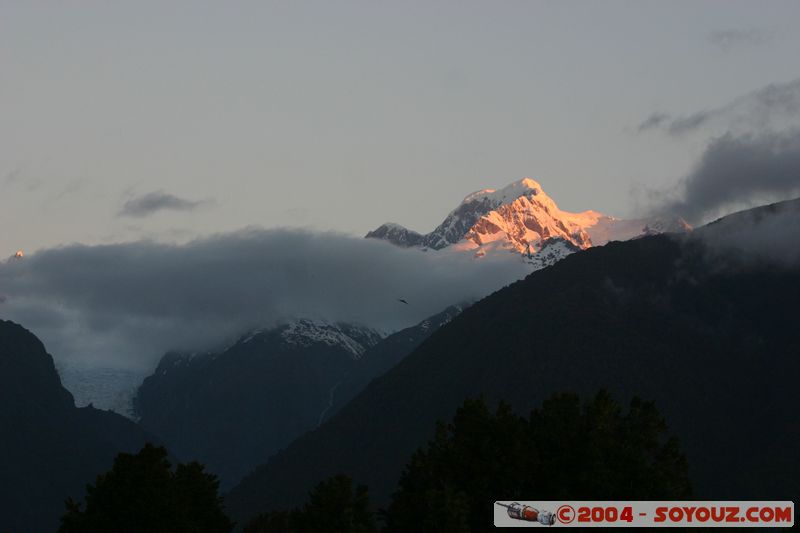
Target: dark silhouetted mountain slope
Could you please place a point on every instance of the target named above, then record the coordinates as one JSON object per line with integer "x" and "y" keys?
{"x": 386, "y": 354}
{"x": 713, "y": 342}
{"x": 233, "y": 409}
{"x": 49, "y": 449}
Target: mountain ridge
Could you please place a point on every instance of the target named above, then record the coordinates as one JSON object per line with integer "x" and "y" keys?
{"x": 233, "y": 408}
{"x": 522, "y": 218}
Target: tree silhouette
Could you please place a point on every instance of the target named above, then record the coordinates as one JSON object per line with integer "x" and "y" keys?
{"x": 565, "y": 450}
{"x": 142, "y": 493}
{"x": 333, "y": 507}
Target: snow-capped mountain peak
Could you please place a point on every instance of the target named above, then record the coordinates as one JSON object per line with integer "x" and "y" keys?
{"x": 522, "y": 218}
{"x": 396, "y": 234}
{"x": 509, "y": 193}
{"x": 18, "y": 256}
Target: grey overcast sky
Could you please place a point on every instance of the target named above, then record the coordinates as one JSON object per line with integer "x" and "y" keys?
{"x": 168, "y": 120}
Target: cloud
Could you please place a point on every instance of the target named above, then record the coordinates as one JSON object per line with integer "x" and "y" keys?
{"x": 19, "y": 176}
{"x": 126, "y": 304}
{"x": 739, "y": 171}
{"x": 12, "y": 176}
{"x": 727, "y": 39}
{"x": 152, "y": 202}
{"x": 772, "y": 106}
{"x": 654, "y": 121}
{"x": 753, "y": 158}
{"x": 682, "y": 125}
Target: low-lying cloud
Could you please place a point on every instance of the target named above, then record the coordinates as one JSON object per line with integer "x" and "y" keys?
{"x": 153, "y": 202}
{"x": 766, "y": 235}
{"x": 126, "y": 304}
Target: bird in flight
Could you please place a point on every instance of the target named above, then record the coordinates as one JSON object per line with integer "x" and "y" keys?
{"x": 402, "y": 301}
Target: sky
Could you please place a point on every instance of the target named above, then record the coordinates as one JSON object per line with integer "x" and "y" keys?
{"x": 181, "y": 172}
{"x": 122, "y": 121}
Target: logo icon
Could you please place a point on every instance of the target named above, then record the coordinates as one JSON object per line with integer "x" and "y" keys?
{"x": 527, "y": 513}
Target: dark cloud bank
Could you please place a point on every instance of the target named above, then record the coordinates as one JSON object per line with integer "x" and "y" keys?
{"x": 155, "y": 201}
{"x": 740, "y": 171}
{"x": 126, "y": 304}
{"x": 754, "y": 160}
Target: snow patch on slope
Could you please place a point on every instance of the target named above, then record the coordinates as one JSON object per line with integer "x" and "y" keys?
{"x": 354, "y": 339}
